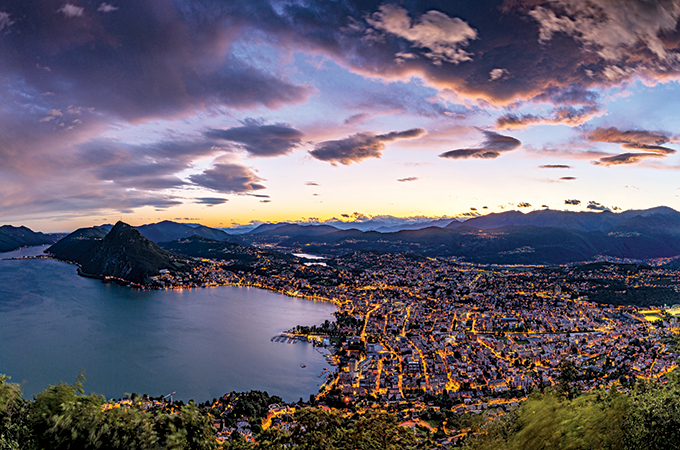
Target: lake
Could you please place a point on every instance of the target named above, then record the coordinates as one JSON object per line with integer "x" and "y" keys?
{"x": 200, "y": 343}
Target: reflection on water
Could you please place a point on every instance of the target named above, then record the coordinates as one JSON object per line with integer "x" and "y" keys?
{"x": 198, "y": 342}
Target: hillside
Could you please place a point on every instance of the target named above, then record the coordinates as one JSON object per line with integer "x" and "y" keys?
{"x": 122, "y": 253}
{"x": 167, "y": 231}
{"x": 12, "y": 238}
{"x": 540, "y": 237}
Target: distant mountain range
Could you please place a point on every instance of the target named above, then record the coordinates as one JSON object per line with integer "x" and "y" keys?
{"x": 12, "y": 238}
{"x": 121, "y": 253}
{"x": 512, "y": 237}
{"x": 539, "y": 237}
{"x": 383, "y": 224}
{"x": 582, "y": 221}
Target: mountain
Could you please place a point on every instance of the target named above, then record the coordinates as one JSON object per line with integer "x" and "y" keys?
{"x": 516, "y": 238}
{"x": 583, "y": 221}
{"x": 122, "y": 253}
{"x": 274, "y": 233}
{"x": 79, "y": 245}
{"x": 12, "y": 238}
{"x": 293, "y": 229}
{"x": 167, "y": 231}
{"x": 440, "y": 223}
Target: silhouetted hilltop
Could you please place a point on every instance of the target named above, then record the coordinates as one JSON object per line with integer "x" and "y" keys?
{"x": 122, "y": 253}
{"x": 12, "y": 238}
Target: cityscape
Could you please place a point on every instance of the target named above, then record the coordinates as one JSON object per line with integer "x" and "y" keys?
{"x": 347, "y": 224}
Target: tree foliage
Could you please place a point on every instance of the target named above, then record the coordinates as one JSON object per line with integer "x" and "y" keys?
{"x": 62, "y": 417}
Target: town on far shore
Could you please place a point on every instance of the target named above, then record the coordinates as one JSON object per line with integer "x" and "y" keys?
{"x": 413, "y": 334}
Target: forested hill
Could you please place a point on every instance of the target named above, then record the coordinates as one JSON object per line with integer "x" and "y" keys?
{"x": 12, "y": 238}
{"x": 121, "y": 253}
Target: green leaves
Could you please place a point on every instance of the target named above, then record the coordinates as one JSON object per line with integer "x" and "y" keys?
{"x": 62, "y": 417}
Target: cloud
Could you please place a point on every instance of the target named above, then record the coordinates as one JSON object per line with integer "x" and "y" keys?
{"x": 626, "y": 158}
{"x": 354, "y": 118}
{"x": 156, "y": 60}
{"x": 260, "y": 140}
{"x": 407, "y": 179}
{"x": 633, "y": 139}
{"x": 597, "y": 206}
{"x": 311, "y": 183}
{"x": 492, "y": 147}
{"x": 554, "y": 166}
{"x": 359, "y": 146}
{"x": 573, "y": 202}
{"x": 439, "y": 35}
{"x": 648, "y": 143}
{"x": 71, "y": 10}
{"x": 228, "y": 178}
{"x": 146, "y": 167}
{"x": 5, "y": 20}
{"x": 524, "y": 205}
{"x": 564, "y": 115}
{"x": 211, "y": 201}
{"x": 610, "y": 27}
{"x": 106, "y": 8}
{"x": 567, "y": 178}
{"x": 497, "y": 74}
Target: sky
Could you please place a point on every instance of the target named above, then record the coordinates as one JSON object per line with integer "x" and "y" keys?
{"x": 230, "y": 112}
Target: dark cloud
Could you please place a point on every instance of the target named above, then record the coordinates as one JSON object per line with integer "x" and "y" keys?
{"x": 632, "y": 139}
{"x": 144, "y": 60}
{"x": 359, "y": 146}
{"x": 596, "y": 206}
{"x": 407, "y": 179}
{"x": 573, "y": 202}
{"x": 649, "y": 144}
{"x": 565, "y": 115}
{"x": 554, "y": 166}
{"x": 211, "y": 201}
{"x": 626, "y": 158}
{"x": 259, "y": 139}
{"x": 567, "y": 178}
{"x": 149, "y": 166}
{"x": 228, "y": 178}
{"x": 493, "y": 146}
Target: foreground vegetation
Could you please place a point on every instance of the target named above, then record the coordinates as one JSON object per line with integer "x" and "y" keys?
{"x": 646, "y": 417}
{"x": 641, "y": 416}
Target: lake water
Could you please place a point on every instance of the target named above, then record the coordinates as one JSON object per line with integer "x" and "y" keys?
{"x": 200, "y": 343}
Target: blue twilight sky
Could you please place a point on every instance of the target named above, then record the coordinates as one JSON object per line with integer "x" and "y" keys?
{"x": 227, "y": 112}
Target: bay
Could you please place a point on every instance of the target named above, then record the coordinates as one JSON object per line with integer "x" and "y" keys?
{"x": 199, "y": 343}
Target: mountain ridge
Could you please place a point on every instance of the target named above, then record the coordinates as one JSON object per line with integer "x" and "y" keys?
{"x": 122, "y": 253}
{"x": 12, "y": 238}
